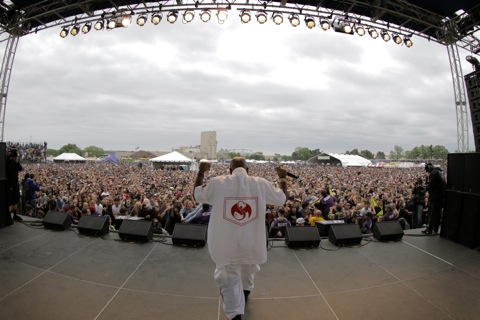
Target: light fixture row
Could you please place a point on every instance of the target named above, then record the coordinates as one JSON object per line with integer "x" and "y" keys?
{"x": 343, "y": 26}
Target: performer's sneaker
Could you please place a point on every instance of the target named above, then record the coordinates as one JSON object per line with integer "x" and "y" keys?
{"x": 427, "y": 232}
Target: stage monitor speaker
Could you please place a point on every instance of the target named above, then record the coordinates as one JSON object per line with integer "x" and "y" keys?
{"x": 388, "y": 231}
{"x": 455, "y": 171}
{"x": 57, "y": 220}
{"x": 470, "y": 220}
{"x": 302, "y": 237}
{"x": 136, "y": 230}
{"x": 324, "y": 226}
{"x": 472, "y": 173}
{"x": 93, "y": 225}
{"x": 191, "y": 235}
{"x": 345, "y": 234}
{"x": 452, "y": 213}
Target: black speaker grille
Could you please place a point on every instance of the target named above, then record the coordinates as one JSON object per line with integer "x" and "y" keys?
{"x": 194, "y": 235}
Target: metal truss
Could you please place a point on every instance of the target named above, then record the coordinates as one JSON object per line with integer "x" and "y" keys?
{"x": 5, "y": 74}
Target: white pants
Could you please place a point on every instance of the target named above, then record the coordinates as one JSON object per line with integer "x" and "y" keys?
{"x": 232, "y": 280}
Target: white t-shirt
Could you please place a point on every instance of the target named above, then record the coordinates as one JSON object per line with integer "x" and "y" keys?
{"x": 236, "y": 231}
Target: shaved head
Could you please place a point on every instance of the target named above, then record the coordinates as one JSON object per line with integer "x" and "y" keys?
{"x": 237, "y": 162}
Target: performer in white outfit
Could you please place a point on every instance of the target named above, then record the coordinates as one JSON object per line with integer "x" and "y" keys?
{"x": 236, "y": 231}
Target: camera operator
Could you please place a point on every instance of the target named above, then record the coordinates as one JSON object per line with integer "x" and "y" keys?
{"x": 13, "y": 167}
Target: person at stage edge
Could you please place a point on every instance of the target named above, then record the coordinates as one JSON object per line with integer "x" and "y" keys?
{"x": 13, "y": 167}
{"x": 236, "y": 231}
{"x": 436, "y": 194}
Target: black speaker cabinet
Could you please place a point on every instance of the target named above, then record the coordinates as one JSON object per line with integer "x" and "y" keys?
{"x": 469, "y": 233}
{"x": 388, "y": 231}
{"x": 455, "y": 171}
{"x": 302, "y": 237}
{"x": 3, "y": 160}
{"x": 93, "y": 225}
{"x": 136, "y": 230}
{"x": 471, "y": 178}
{"x": 57, "y": 220}
{"x": 192, "y": 235}
{"x": 5, "y": 216}
{"x": 452, "y": 213}
{"x": 324, "y": 226}
{"x": 345, "y": 234}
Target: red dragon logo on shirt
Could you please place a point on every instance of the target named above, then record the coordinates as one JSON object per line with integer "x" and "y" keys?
{"x": 241, "y": 210}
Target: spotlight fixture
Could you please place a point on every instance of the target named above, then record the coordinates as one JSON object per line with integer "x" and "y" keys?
{"x": 126, "y": 20}
{"x": 385, "y": 36}
{"x": 342, "y": 25}
{"x": 397, "y": 39}
{"x": 156, "y": 18}
{"x": 222, "y": 15}
{"x": 75, "y": 30}
{"x": 325, "y": 24}
{"x": 111, "y": 24}
{"x": 172, "y": 16}
{"x": 188, "y": 16}
{"x": 245, "y": 16}
{"x": 360, "y": 31}
{"x": 86, "y": 27}
{"x": 347, "y": 27}
{"x": 98, "y": 25}
{"x": 294, "y": 20}
{"x": 277, "y": 18}
{"x": 310, "y": 22}
{"x": 408, "y": 42}
{"x": 373, "y": 33}
{"x": 64, "y": 32}
{"x": 205, "y": 15}
{"x": 261, "y": 17}
{"x": 141, "y": 20}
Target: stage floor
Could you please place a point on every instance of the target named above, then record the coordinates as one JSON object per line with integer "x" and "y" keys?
{"x": 62, "y": 275}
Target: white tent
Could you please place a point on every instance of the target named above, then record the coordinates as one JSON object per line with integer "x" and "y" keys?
{"x": 69, "y": 157}
{"x": 172, "y": 158}
{"x": 345, "y": 160}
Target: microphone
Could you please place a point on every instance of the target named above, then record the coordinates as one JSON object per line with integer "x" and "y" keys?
{"x": 292, "y": 175}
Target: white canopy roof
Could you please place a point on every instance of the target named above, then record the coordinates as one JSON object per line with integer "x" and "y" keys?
{"x": 69, "y": 157}
{"x": 172, "y": 157}
{"x": 350, "y": 160}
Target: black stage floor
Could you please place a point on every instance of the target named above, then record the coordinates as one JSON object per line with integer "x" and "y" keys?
{"x": 51, "y": 275}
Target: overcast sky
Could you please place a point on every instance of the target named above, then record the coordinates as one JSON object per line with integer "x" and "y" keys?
{"x": 264, "y": 88}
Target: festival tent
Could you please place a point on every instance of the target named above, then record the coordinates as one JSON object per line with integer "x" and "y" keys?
{"x": 69, "y": 157}
{"x": 337, "y": 159}
{"x": 172, "y": 158}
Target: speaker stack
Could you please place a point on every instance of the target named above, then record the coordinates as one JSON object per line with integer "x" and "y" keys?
{"x": 57, "y": 220}
{"x": 388, "y": 231}
{"x": 472, "y": 82}
{"x": 302, "y": 237}
{"x": 345, "y": 234}
{"x": 461, "y": 214}
{"x": 191, "y": 235}
{"x": 136, "y": 230}
{"x": 93, "y": 225}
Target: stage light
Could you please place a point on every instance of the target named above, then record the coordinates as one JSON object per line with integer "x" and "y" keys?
{"x": 373, "y": 33}
{"x": 141, "y": 20}
{"x": 64, "y": 32}
{"x": 360, "y": 31}
{"x": 172, "y": 16}
{"x": 75, "y": 30}
{"x": 86, "y": 27}
{"x": 397, "y": 39}
{"x": 408, "y": 42}
{"x": 385, "y": 36}
{"x": 205, "y": 15}
{"x": 188, "y": 16}
{"x": 294, "y": 20}
{"x": 111, "y": 24}
{"x": 98, "y": 25}
{"x": 325, "y": 24}
{"x": 156, "y": 18}
{"x": 347, "y": 28}
{"x": 277, "y": 18}
{"x": 222, "y": 15}
{"x": 310, "y": 22}
{"x": 245, "y": 16}
{"x": 126, "y": 20}
{"x": 261, "y": 17}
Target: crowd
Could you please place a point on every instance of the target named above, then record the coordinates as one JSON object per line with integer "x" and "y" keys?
{"x": 30, "y": 152}
{"x": 355, "y": 195}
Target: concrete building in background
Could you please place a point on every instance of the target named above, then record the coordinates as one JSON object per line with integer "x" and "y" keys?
{"x": 208, "y": 144}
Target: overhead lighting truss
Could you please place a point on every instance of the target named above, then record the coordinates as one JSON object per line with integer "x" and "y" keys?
{"x": 186, "y": 11}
